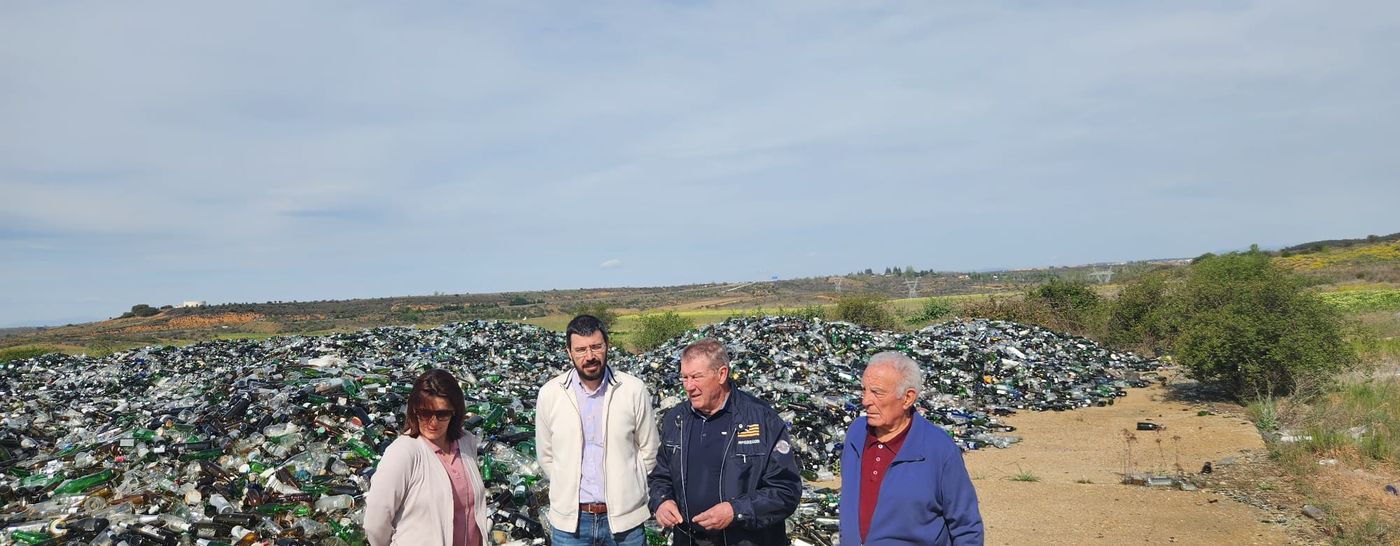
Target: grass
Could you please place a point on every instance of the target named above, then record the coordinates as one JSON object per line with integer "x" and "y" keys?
{"x": 1363, "y": 300}
{"x": 1358, "y": 424}
{"x": 23, "y": 351}
{"x": 1023, "y": 475}
{"x": 1384, "y": 253}
{"x": 1264, "y": 413}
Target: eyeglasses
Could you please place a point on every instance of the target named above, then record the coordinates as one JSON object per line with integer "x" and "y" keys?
{"x": 439, "y": 415}
{"x": 583, "y": 350}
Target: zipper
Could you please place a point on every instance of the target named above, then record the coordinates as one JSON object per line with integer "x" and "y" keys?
{"x": 685, "y": 504}
{"x": 724, "y": 534}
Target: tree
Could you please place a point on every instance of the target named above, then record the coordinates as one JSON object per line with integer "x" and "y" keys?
{"x": 655, "y": 329}
{"x": 600, "y": 311}
{"x": 1253, "y": 328}
{"x": 143, "y": 310}
{"x": 866, "y": 309}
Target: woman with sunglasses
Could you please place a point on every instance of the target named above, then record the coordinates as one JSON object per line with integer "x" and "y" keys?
{"x": 427, "y": 488}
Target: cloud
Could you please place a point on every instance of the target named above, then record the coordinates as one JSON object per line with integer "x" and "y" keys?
{"x": 224, "y": 152}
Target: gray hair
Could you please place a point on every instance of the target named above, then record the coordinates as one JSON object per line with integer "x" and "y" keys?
{"x": 710, "y": 349}
{"x": 910, "y": 376}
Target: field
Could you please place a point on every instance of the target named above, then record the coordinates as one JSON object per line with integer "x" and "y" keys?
{"x": 1332, "y": 446}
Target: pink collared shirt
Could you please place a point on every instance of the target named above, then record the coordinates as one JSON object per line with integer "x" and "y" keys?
{"x": 464, "y": 531}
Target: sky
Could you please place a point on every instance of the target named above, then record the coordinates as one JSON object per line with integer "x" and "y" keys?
{"x": 156, "y": 152}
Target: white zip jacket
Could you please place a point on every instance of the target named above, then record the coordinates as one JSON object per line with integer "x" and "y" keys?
{"x": 630, "y": 441}
{"x": 410, "y": 496}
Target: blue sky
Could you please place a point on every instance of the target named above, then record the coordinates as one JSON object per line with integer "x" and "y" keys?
{"x": 255, "y": 151}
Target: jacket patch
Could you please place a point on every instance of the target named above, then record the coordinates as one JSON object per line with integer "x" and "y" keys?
{"x": 750, "y": 431}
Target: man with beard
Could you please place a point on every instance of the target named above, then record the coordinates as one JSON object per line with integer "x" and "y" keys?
{"x": 727, "y": 473}
{"x": 596, "y": 439}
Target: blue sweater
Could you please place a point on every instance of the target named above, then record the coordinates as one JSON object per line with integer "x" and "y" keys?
{"x": 925, "y": 498}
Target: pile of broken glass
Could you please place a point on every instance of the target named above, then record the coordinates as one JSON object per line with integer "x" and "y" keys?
{"x": 241, "y": 440}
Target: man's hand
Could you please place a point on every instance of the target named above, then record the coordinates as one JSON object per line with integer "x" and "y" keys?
{"x": 668, "y": 515}
{"x": 716, "y": 518}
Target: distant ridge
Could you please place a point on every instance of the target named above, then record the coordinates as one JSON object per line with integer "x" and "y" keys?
{"x": 1318, "y": 246}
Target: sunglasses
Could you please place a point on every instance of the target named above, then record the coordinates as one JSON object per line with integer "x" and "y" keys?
{"x": 439, "y": 415}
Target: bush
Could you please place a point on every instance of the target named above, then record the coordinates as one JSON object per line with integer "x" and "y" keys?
{"x": 141, "y": 310}
{"x": 932, "y": 310}
{"x": 1253, "y": 328}
{"x": 808, "y": 313}
{"x": 600, "y": 311}
{"x": 22, "y": 353}
{"x": 866, "y": 309}
{"x": 655, "y": 329}
{"x": 1140, "y": 318}
{"x": 1011, "y": 308}
{"x": 1073, "y": 305}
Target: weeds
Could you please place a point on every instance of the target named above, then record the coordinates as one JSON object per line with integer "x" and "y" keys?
{"x": 1022, "y": 475}
{"x": 1359, "y": 425}
{"x": 1264, "y": 413}
{"x": 1129, "y": 463}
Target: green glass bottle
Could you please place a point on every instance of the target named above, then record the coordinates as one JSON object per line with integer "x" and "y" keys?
{"x": 31, "y": 537}
{"x": 202, "y": 455}
{"x": 654, "y": 538}
{"x": 78, "y": 485}
{"x": 361, "y": 449}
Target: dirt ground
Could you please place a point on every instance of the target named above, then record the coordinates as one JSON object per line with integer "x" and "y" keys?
{"x": 1079, "y": 456}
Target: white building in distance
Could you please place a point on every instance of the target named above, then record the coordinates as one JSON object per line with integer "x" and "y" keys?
{"x": 194, "y": 303}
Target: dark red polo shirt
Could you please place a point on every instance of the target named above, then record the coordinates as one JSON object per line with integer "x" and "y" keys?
{"x": 875, "y": 459}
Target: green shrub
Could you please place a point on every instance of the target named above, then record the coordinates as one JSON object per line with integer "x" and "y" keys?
{"x": 1011, "y": 308}
{"x": 21, "y": 353}
{"x": 655, "y": 329}
{"x": 933, "y": 309}
{"x": 865, "y": 309}
{"x": 1073, "y": 305}
{"x": 600, "y": 311}
{"x": 141, "y": 310}
{"x": 1252, "y": 327}
{"x": 809, "y": 312}
{"x": 1140, "y": 318}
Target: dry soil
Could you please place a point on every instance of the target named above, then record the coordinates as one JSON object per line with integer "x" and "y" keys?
{"x": 1078, "y": 458}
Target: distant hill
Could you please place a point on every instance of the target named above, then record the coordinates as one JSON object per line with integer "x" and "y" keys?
{"x": 234, "y": 320}
{"x": 1319, "y": 246}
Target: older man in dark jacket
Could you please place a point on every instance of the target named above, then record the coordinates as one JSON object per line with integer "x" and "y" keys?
{"x": 726, "y": 473}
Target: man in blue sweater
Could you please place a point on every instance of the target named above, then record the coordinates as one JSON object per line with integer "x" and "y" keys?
{"x": 902, "y": 478}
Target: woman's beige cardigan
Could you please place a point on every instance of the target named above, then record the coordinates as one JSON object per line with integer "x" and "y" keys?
{"x": 410, "y": 496}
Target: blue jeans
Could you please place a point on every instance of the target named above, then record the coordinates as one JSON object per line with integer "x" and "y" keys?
{"x": 593, "y": 531}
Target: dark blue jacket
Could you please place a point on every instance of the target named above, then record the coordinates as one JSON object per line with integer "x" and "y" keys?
{"x": 926, "y": 497}
{"x": 759, "y": 479}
